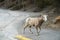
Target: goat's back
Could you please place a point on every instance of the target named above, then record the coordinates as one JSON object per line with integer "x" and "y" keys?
{"x": 34, "y": 21}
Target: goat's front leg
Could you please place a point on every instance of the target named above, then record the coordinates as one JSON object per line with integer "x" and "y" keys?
{"x": 37, "y": 30}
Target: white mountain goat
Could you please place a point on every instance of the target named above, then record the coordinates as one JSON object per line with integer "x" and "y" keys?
{"x": 35, "y": 22}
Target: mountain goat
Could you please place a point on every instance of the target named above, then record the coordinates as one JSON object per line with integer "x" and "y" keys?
{"x": 35, "y": 22}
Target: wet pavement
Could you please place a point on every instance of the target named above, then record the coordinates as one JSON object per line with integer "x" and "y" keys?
{"x": 12, "y": 22}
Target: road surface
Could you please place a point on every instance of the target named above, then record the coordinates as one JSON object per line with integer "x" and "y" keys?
{"x": 11, "y": 24}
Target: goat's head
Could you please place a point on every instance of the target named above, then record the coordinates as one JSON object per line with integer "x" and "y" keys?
{"x": 45, "y": 17}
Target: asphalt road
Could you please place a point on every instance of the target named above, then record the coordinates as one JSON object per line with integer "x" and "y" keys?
{"x": 11, "y": 24}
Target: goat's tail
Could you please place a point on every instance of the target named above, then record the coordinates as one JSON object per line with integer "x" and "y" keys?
{"x": 28, "y": 19}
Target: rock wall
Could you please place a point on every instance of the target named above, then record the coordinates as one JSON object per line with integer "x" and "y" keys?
{"x": 14, "y": 4}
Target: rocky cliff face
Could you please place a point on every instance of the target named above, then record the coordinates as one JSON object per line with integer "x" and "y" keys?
{"x": 14, "y": 4}
{"x": 28, "y": 5}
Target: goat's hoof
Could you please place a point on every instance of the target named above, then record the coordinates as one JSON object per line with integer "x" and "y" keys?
{"x": 38, "y": 34}
{"x": 31, "y": 32}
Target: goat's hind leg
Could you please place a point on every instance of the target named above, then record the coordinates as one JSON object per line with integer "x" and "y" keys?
{"x": 30, "y": 29}
{"x": 25, "y": 26}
